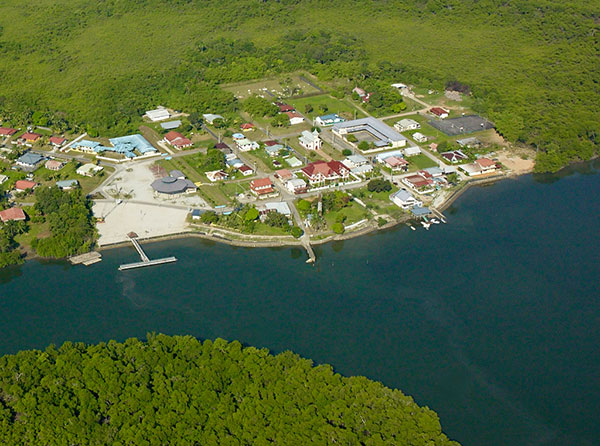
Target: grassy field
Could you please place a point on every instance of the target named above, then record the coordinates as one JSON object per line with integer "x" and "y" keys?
{"x": 281, "y": 86}
{"x": 421, "y": 161}
{"x": 342, "y": 107}
{"x": 353, "y": 213}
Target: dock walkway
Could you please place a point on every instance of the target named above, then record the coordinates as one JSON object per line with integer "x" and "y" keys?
{"x": 145, "y": 260}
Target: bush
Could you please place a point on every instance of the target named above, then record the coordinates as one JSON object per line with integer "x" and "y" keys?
{"x": 338, "y": 228}
{"x": 297, "y": 232}
{"x": 251, "y": 214}
{"x": 363, "y": 145}
{"x": 346, "y": 152}
{"x": 351, "y": 138}
{"x": 303, "y": 205}
{"x": 379, "y": 185}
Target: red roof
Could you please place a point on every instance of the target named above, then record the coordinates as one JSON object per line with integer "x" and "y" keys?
{"x": 271, "y": 143}
{"x": 419, "y": 181}
{"x": 485, "y": 162}
{"x": 395, "y": 161}
{"x": 7, "y": 131}
{"x": 15, "y": 214}
{"x": 261, "y": 183}
{"x": 30, "y": 136}
{"x": 245, "y": 168}
{"x": 25, "y": 184}
{"x": 57, "y": 140}
{"x": 221, "y": 145}
{"x": 247, "y": 125}
{"x": 324, "y": 168}
{"x": 438, "y": 111}
{"x": 177, "y": 139}
{"x": 284, "y": 174}
{"x": 285, "y": 108}
{"x": 293, "y": 114}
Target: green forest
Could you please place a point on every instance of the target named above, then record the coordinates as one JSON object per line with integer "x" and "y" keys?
{"x": 180, "y": 391}
{"x": 532, "y": 65}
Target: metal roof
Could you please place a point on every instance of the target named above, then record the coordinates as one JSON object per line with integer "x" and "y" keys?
{"x": 373, "y": 126}
{"x": 170, "y": 125}
{"x": 30, "y": 158}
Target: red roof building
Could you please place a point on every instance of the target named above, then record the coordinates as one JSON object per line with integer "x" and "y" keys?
{"x": 271, "y": 143}
{"x": 221, "y": 146}
{"x": 12, "y": 214}
{"x": 7, "y": 131}
{"x": 396, "y": 163}
{"x": 284, "y": 174}
{"x": 57, "y": 141}
{"x": 25, "y": 184}
{"x": 247, "y": 126}
{"x": 246, "y": 170}
{"x": 321, "y": 171}
{"x": 486, "y": 163}
{"x": 30, "y": 136}
{"x": 440, "y": 112}
{"x": 177, "y": 140}
{"x": 283, "y": 108}
{"x": 262, "y": 186}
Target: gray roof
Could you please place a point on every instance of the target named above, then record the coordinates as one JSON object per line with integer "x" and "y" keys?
{"x": 434, "y": 170}
{"x": 420, "y": 211}
{"x": 170, "y": 185}
{"x": 403, "y": 195}
{"x": 67, "y": 183}
{"x": 375, "y": 126}
{"x": 170, "y": 125}
{"x": 358, "y": 159}
{"x": 30, "y": 158}
{"x": 177, "y": 174}
{"x": 279, "y": 206}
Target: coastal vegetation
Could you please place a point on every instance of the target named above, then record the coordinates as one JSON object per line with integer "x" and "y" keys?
{"x": 529, "y": 66}
{"x": 70, "y": 220}
{"x": 180, "y": 391}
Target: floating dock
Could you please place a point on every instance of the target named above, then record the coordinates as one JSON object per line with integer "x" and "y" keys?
{"x": 145, "y": 260}
{"x": 87, "y": 259}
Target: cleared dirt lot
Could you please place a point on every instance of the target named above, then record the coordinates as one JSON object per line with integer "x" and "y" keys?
{"x": 133, "y": 183}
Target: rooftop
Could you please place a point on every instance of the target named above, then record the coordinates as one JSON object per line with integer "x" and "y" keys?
{"x": 373, "y": 126}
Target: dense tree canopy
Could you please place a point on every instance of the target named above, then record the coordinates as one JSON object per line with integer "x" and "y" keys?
{"x": 531, "y": 65}
{"x": 70, "y": 218}
{"x": 179, "y": 391}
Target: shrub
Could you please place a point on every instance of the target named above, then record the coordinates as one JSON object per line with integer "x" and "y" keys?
{"x": 346, "y": 152}
{"x": 338, "y": 228}
{"x": 379, "y": 185}
{"x": 297, "y": 232}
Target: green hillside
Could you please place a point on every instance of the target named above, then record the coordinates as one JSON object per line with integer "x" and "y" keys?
{"x": 532, "y": 65}
{"x": 179, "y": 391}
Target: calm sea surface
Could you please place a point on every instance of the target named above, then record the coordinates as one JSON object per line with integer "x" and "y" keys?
{"x": 492, "y": 320}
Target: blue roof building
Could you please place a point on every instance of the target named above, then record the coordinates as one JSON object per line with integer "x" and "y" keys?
{"x": 128, "y": 144}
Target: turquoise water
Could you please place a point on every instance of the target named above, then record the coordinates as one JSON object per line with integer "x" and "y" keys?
{"x": 492, "y": 320}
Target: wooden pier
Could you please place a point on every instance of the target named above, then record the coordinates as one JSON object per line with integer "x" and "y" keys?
{"x": 145, "y": 260}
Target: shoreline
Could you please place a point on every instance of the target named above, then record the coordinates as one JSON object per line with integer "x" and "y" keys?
{"x": 253, "y": 240}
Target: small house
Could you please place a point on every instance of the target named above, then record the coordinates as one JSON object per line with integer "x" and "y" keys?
{"x": 295, "y": 117}
{"x": 12, "y": 214}
{"x": 67, "y": 184}
{"x": 407, "y": 124}
{"x": 57, "y": 141}
{"x": 439, "y": 112}
{"x": 54, "y": 165}
{"x": 262, "y": 187}
{"x": 405, "y": 199}
{"x": 22, "y": 185}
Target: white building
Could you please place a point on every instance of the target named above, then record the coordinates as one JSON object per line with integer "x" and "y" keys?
{"x": 160, "y": 114}
{"x": 407, "y": 124}
{"x": 245, "y": 145}
{"x": 89, "y": 170}
{"x": 310, "y": 141}
{"x": 355, "y": 161}
{"x": 295, "y": 117}
{"x": 296, "y": 185}
{"x": 411, "y": 151}
{"x": 419, "y": 137}
{"x": 405, "y": 200}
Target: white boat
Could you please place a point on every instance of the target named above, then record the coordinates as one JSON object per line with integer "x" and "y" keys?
{"x": 434, "y": 221}
{"x": 426, "y": 225}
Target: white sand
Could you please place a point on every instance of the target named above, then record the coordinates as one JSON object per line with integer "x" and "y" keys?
{"x": 143, "y": 219}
